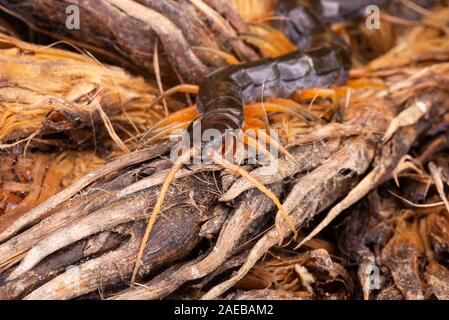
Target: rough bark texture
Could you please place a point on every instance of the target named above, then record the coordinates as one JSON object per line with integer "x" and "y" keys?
{"x": 129, "y": 29}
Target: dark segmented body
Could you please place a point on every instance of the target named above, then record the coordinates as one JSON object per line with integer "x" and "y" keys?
{"x": 223, "y": 94}
{"x": 323, "y": 61}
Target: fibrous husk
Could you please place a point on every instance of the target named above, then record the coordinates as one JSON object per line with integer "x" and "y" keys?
{"x": 57, "y": 97}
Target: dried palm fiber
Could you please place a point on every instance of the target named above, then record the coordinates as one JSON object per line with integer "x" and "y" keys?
{"x": 427, "y": 40}
{"x": 46, "y": 91}
{"x": 128, "y": 30}
{"x": 28, "y": 179}
{"x": 253, "y": 10}
{"x": 312, "y": 275}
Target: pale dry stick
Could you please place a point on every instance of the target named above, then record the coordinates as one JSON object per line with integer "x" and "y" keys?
{"x": 103, "y": 242}
{"x": 402, "y": 141}
{"x": 82, "y": 228}
{"x": 116, "y": 164}
{"x": 407, "y": 117}
{"x": 78, "y": 208}
{"x": 159, "y": 178}
{"x": 171, "y": 175}
{"x": 142, "y": 292}
{"x": 356, "y": 194}
{"x": 252, "y": 207}
{"x": 83, "y": 279}
{"x": 312, "y": 194}
{"x": 308, "y": 157}
{"x": 331, "y": 130}
{"x": 417, "y": 205}
{"x": 417, "y": 8}
{"x": 436, "y": 175}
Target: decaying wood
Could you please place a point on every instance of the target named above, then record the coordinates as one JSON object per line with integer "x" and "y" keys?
{"x": 254, "y": 205}
{"x": 178, "y": 230}
{"x": 379, "y": 165}
{"x": 37, "y": 213}
{"x": 129, "y": 29}
{"x": 64, "y": 97}
{"x": 49, "y": 268}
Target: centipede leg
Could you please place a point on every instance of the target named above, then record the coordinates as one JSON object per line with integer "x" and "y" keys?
{"x": 260, "y": 134}
{"x": 185, "y": 114}
{"x": 314, "y": 93}
{"x": 157, "y": 207}
{"x": 163, "y": 132}
{"x": 182, "y": 88}
{"x": 239, "y": 170}
{"x": 178, "y": 119}
{"x": 271, "y": 107}
{"x": 296, "y": 107}
{"x": 256, "y": 145}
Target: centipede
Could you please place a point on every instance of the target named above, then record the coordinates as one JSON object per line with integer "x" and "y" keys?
{"x": 322, "y": 59}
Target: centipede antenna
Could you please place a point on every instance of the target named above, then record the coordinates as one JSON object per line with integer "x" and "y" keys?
{"x": 250, "y": 141}
{"x": 157, "y": 207}
{"x": 267, "y": 138}
{"x": 245, "y": 174}
{"x": 308, "y": 116}
{"x": 417, "y": 8}
{"x": 182, "y": 88}
{"x": 164, "y": 132}
{"x": 183, "y": 115}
